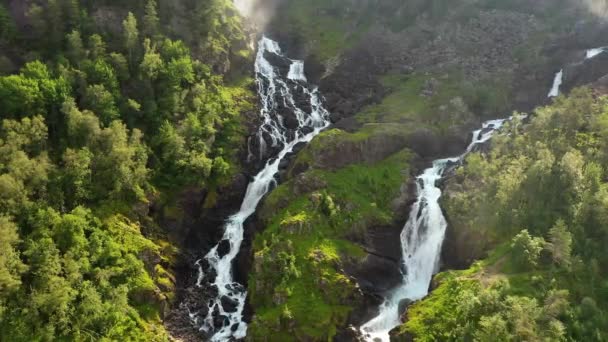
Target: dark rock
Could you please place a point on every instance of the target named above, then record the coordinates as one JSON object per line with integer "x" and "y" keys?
{"x": 290, "y": 121}
{"x": 586, "y": 72}
{"x": 404, "y": 304}
{"x": 223, "y": 248}
{"x": 349, "y": 334}
{"x": 229, "y": 305}
{"x": 284, "y": 163}
{"x": 379, "y": 272}
{"x": 299, "y": 146}
{"x": 220, "y": 321}
{"x": 304, "y": 130}
{"x": 281, "y": 64}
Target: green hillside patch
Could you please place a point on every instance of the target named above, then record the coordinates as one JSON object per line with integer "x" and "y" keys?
{"x": 298, "y": 287}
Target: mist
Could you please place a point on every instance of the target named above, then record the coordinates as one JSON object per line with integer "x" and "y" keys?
{"x": 260, "y": 12}
{"x": 597, "y": 7}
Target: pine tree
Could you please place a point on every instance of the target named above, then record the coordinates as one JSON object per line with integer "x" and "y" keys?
{"x": 131, "y": 36}
{"x": 151, "y": 21}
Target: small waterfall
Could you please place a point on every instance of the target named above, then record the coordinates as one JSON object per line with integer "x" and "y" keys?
{"x": 424, "y": 232}
{"x": 594, "y": 52}
{"x": 557, "y": 82}
{"x": 224, "y": 318}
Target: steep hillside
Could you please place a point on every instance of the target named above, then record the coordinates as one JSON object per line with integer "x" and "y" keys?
{"x": 535, "y": 203}
{"x": 109, "y": 111}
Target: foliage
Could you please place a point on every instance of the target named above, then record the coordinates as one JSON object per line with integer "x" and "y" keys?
{"x": 547, "y": 176}
{"x": 104, "y": 111}
{"x": 309, "y": 240}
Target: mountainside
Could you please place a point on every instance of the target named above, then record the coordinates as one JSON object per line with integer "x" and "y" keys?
{"x": 121, "y": 122}
{"x": 405, "y": 82}
{"x": 299, "y": 170}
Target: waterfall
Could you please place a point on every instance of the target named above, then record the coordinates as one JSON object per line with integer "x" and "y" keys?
{"x": 424, "y": 232}
{"x": 224, "y": 318}
{"x": 594, "y": 52}
{"x": 421, "y": 240}
{"x": 558, "y": 79}
{"x": 557, "y": 82}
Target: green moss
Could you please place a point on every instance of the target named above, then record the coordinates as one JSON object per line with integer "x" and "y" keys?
{"x": 297, "y": 288}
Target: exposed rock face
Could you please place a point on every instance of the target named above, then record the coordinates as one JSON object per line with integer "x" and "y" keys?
{"x": 585, "y": 72}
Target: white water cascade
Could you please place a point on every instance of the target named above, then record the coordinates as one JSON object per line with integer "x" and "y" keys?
{"x": 594, "y": 52}
{"x": 424, "y": 232}
{"x": 225, "y": 322}
{"x": 421, "y": 240}
{"x": 557, "y": 81}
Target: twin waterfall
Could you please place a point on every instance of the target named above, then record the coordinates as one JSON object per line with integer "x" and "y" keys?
{"x": 292, "y": 113}
{"x": 557, "y": 81}
{"x": 278, "y": 92}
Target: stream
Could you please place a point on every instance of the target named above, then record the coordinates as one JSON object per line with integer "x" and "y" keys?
{"x": 292, "y": 113}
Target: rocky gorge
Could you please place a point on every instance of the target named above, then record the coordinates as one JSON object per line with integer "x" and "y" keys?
{"x": 398, "y": 99}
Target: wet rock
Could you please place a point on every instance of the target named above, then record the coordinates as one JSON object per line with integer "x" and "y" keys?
{"x": 223, "y": 248}
{"x": 304, "y": 130}
{"x": 212, "y": 291}
{"x": 290, "y": 121}
{"x": 299, "y": 146}
{"x": 229, "y": 305}
{"x": 404, "y": 304}
{"x": 349, "y": 334}
{"x": 220, "y": 321}
{"x": 284, "y": 163}
{"x": 282, "y": 64}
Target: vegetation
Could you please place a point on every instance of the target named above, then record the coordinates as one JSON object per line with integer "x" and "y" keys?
{"x": 300, "y": 257}
{"x": 541, "y": 191}
{"x": 329, "y": 27}
{"x": 102, "y": 107}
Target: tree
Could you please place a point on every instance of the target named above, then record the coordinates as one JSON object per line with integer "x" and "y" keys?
{"x": 97, "y": 47}
{"x": 11, "y": 266}
{"x": 77, "y": 176}
{"x": 131, "y": 35}
{"x": 55, "y": 24}
{"x": 526, "y": 249}
{"x": 152, "y": 63}
{"x": 560, "y": 244}
{"x": 75, "y": 51}
{"x": 7, "y": 25}
{"x": 151, "y": 21}
{"x": 492, "y": 328}
{"x": 101, "y": 102}
{"x": 71, "y": 9}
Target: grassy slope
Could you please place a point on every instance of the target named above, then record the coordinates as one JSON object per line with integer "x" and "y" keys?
{"x": 298, "y": 286}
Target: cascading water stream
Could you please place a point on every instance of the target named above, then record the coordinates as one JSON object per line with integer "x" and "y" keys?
{"x": 421, "y": 240}
{"x": 558, "y": 80}
{"x": 424, "y": 232}
{"x": 224, "y": 319}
